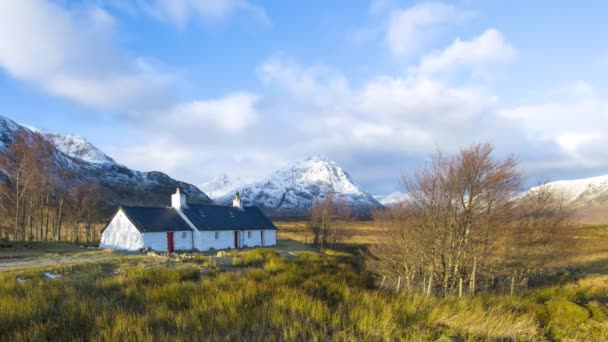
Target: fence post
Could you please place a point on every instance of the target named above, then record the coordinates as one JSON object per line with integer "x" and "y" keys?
{"x": 512, "y": 284}
{"x": 382, "y": 283}
{"x": 460, "y": 288}
{"x": 398, "y": 284}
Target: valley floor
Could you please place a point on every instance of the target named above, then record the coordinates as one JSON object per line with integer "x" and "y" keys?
{"x": 58, "y": 291}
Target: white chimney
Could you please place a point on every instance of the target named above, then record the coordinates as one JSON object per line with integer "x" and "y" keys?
{"x": 178, "y": 200}
{"x": 236, "y": 202}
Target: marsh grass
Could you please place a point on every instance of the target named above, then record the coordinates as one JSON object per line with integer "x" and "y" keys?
{"x": 314, "y": 296}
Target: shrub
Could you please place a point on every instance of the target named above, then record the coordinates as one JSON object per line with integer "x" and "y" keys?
{"x": 565, "y": 316}
{"x": 275, "y": 264}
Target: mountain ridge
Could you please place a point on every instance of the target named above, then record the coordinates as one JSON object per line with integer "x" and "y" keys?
{"x": 292, "y": 190}
{"x": 119, "y": 185}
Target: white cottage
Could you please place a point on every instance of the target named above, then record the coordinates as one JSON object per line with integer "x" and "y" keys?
{"x": 188, "y": 226}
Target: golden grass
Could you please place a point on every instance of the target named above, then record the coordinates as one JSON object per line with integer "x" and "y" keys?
{"x": 291, "y": 292}
{"x": 358, "y": 232}
{"x": 313, "y": 296}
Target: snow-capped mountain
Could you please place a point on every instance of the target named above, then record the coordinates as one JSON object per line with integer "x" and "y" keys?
{"x": 77, "y": 146}
{"x": 582, "y": 192}
{"x": 221, "y": 186}
{"x": 392, "y": 198}
{"x": 118, "y": 184}
{"x": 587, "y": 197}
{"x": 292, "y": 190}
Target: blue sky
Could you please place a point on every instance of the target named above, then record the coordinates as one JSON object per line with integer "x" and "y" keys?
{"x": 197, "y": 88}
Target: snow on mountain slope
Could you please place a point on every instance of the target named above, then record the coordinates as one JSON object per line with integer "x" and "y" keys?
{"x": 392, "y": 198}
{"x": 292, "y": 190}
{"x": 221, "y": 186}
{"x": 118, "y": 184}
{"x": 77, "y": 146}
{"x": 582, "y": 192}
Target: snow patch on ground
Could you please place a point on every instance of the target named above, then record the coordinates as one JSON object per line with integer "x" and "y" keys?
{"x": 51, "y": 275}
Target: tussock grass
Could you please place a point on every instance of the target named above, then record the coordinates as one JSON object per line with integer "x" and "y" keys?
{"x": 253, "y": 257}
{"x": 310, "y": 297}
{"x": 300, "y": 294}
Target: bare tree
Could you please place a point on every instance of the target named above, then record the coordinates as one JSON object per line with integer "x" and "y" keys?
{"x": 539, "y": 233}
{"x": 326, "y": 223}
{"x": 452, "y": 231}
{"x": 39, "y": 189}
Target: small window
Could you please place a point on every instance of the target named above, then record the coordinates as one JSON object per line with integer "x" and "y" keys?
{"x": 183, "y": 235}
{"x": 217, "y": 235}
{"x": 249, "y": 235}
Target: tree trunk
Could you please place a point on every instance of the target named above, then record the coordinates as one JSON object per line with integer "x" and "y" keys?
{"x": 59, "y": 219}
{"x": 428, "y": 291}
{"x": 16, "y": 211}
{"x": 512, "y": 284}
{"x": 460, "y": 287}
{"x": 473, "y": 274}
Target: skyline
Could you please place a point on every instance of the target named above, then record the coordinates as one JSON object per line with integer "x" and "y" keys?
{"x": 199, "y": 88}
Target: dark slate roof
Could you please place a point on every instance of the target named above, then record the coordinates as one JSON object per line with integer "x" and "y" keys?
{"x": 156, "y": 219}
{"x": 219, "y": 217}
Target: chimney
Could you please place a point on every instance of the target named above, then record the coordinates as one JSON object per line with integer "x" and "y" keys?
{"x": 178, "y": 200}
{"x": 236, "y": 202}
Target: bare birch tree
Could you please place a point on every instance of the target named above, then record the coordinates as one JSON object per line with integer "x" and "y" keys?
{"x": 461, "y": 222}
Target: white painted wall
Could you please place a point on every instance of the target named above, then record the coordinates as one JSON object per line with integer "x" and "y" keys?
{"x": 206, "y": 240}
{"x": 270, "y": 237}
{"x": 252, "y": 238}
{"x": 183, "y": 241}
{"x": 121, "y": 234}
{"x": 158, "y": 241}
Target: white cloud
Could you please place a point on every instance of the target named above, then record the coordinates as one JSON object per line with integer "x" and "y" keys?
{"x": 231, "y": 113}
{"x": 182, "y": 12}
{"x": 421, "y": 98}
{"x": 572, "y": 124}
{"x": 408, "y": 28}
{"x": 72, "y": 57}
{"x": 405, "y": 113}
{"x": 572, "y": 142}
{"x": 318, "y": 84}
{"x": 488, "y": 48}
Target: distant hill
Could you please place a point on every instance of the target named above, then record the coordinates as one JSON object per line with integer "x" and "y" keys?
{"x": 118, "y": 183}
{"x": 292, "y": 190}
{"x": 588, "y": 197}
{"x": 392, "y": 198}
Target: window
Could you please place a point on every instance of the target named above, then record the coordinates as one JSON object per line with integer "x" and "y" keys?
{"x": 183, "y": 235}
{"x": 249, "y": 235}
{"x": 217, "y": 235}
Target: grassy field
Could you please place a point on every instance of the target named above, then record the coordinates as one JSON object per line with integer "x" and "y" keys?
{"x": 357, "y": 232}
{"x": 290, "y": 292}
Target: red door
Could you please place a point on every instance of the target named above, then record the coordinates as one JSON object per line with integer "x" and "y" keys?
{"x": 170, "y": 242}
{"x": 236, "y": 239}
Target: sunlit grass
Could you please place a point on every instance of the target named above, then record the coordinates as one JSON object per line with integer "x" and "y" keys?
{"x": 312, "y": 296}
